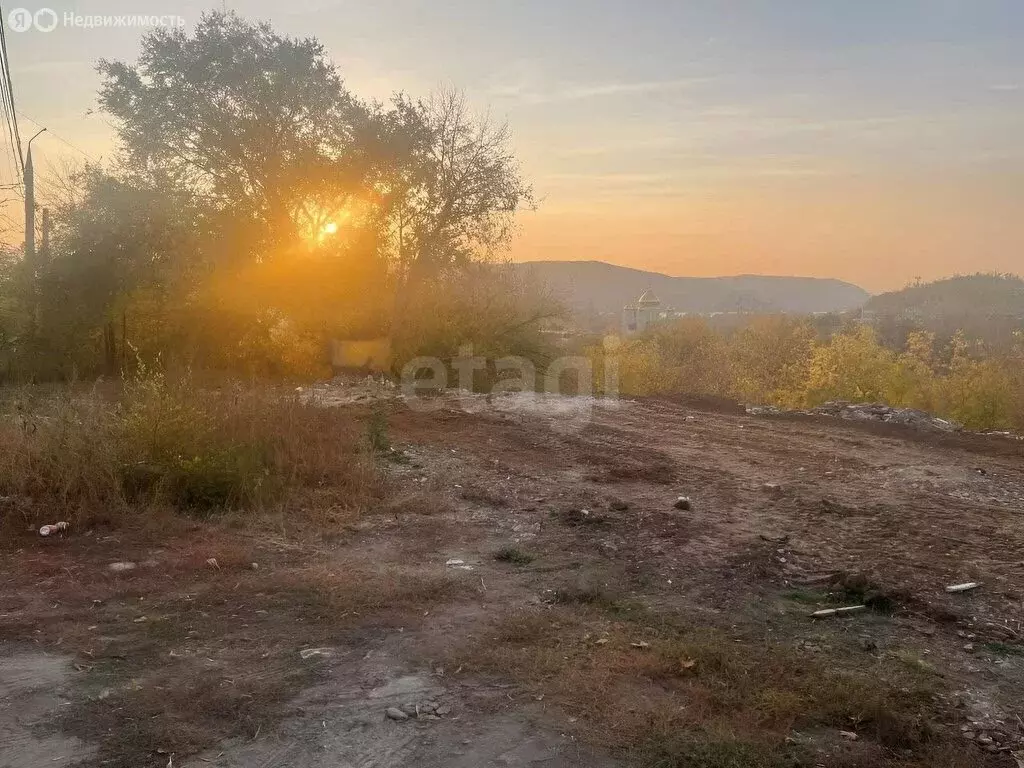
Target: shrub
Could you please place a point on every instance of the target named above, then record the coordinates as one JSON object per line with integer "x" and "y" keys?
{"x": 490, "y": 311}
{"x": 780, "y": 361}
{"x": 513, "y": 555}
{"x": 90, "y": 456}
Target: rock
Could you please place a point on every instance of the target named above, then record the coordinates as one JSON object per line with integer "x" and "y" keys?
{"x": 618, "y": 505}
{"x": 394, "y": 713}
{"x": 969, "y": 647}
{"x": 849, "y": 735}
{"x": 683, "y": 503}
{"x": 121, "y": 567}
{"x": 969, "y": 735}
{"x": 308, "y": 653}
{"x": 443, "y": 710}
{"x": 868, "y": 645}
{"x": 984, "y": 739}
{"x": 410, "y": 709}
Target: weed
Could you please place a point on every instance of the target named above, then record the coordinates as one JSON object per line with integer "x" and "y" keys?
{"x": 377, "y": 432}
{"x": 513, "y": 555}
{"x": 1004, "y": 649}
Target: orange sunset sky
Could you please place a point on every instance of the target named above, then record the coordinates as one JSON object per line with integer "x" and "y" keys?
{"x": 876, "y": 141}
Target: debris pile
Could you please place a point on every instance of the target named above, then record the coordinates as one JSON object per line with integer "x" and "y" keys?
{"x": 425, "y": 710}
{"x": 843, "y": 409}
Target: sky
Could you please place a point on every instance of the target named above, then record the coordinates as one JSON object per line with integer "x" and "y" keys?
{"x": 876, "y": 141}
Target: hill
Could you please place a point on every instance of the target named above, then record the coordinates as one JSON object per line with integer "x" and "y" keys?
{"x": 595, "y": 286}
{"x": 981, "y": 295}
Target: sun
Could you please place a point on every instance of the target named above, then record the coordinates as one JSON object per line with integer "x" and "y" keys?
{"x": 326, "y": 230}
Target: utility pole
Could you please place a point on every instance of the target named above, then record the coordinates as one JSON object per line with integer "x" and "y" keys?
{"x": 44, "y": 245}
{"x": 30, "y": 207}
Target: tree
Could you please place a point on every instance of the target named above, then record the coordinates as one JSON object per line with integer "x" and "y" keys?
{"x": 851, "y": 366}
{"x": 262, "y": 126}
{"x": 246, "y": 119}
{"x": 771, "y": 359}
{"x": 113, "y": 236}
{"x": 256, "y": 200}
{"x": 463, "y": 190}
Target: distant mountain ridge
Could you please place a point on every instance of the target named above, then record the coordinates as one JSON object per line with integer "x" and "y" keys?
{"x": 960, "y": 296}
{"x": 596, "y": 286}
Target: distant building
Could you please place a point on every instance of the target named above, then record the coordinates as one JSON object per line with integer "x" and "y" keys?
{"x": 645, "y": 311}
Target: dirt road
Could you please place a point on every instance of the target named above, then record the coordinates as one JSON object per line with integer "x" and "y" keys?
{"x": 554, "y": 653}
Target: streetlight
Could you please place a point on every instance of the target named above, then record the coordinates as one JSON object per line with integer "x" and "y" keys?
{"x": 30, "y": 203}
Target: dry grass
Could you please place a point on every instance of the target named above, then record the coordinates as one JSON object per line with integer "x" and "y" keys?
{"x": 664, "y": 694}
{"x": 91, "y": 457}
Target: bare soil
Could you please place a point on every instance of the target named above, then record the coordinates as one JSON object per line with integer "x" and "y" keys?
{"x": 622, "y": 631}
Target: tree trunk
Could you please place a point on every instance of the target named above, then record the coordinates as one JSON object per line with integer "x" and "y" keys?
{"x": 110, "y": 348}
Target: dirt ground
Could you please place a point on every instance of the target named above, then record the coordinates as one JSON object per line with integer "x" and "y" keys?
{"x": 612, "y": 629}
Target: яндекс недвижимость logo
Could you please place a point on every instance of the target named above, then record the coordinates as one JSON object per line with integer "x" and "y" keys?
{"x": 46, "y": 20}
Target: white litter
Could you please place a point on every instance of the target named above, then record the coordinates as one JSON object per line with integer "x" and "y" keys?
{"x": 49, "y": 530}
{"x": 966, "y": 587}
{"x": 845, "y": 611}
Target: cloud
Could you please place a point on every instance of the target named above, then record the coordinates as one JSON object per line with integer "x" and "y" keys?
{"x": 529, "y": 93}
{"x": 1005, "y": 87}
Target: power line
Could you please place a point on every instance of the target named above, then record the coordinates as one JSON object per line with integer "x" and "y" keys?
{"x": 57, "y": 136}
{"x": 12, "y": 121}
{"x": 11, "y": 162}
{"x": 9, "y": 147}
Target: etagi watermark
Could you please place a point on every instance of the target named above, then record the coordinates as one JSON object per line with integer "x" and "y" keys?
{"x": 564, "y": 392}
{"x": 47, "y": 20}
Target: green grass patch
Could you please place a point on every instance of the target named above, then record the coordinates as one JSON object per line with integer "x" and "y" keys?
{"x": 513, "y": 555}
{"x": 1004, "y": 649}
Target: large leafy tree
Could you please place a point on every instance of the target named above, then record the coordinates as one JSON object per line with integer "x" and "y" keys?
{"x": 241, "y": 149}
{"x": 247, "y": 119}
{"x": 261, "y": 125}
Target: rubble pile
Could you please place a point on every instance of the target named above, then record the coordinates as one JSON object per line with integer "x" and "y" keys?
{"x": 844, "y": 409}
